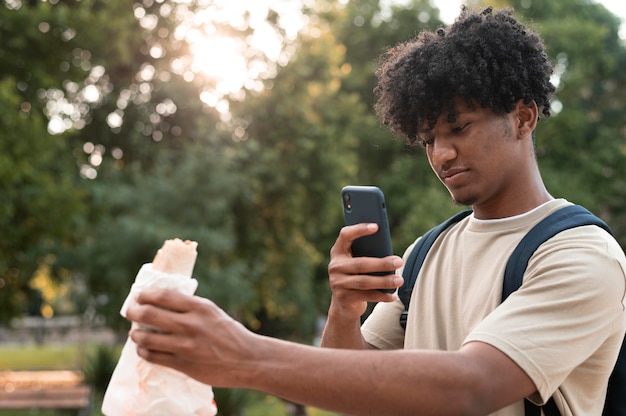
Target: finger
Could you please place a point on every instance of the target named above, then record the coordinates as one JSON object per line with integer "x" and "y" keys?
{"x": 363, "y": 282}
{"x": 152, "y": 341}
{"x": 157, "y": 357}
{"x": 151, "y": 318}
{"x": 364, "y": 265}
{"x": 370, "y": 265}
{"x": 155, "y": 310}
{"x": 363, "y": 292}
{"x": 350, "y": 233}
{"x": 172, "y": 300}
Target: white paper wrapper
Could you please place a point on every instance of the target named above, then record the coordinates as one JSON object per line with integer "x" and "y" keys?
{"x": 140, "y": 388}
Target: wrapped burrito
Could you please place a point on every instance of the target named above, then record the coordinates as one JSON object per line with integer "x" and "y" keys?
{"x": 140, "y": 388}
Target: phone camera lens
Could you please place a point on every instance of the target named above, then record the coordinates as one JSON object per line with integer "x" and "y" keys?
{"x": 346, "y": 200}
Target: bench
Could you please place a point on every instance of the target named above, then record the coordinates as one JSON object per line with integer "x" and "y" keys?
{"x": 45, "y": 390}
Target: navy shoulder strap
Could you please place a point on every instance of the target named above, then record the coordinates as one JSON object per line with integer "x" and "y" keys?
{"x": 571, "y": 216}
{"x": 568, "y": 217}
{"x": 565, "y": 218}
{"x": 416, "y": 258}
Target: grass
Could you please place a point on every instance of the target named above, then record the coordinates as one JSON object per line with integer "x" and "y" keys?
{"x": 42, "y": 358}
{"x": 71, "y": 357}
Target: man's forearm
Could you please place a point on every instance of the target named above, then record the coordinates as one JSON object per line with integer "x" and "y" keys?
{"x": 360, "y": 383}
{"x": 341, "y": 332}
{"x": 478, "y": 379}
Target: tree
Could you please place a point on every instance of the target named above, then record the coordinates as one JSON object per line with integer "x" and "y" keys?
{"x": 581, "y": 147}
{"x": 40, "y": 200}
{"x": 48, "y": 86}
{"x": 296, "y": 157}
{"x": 416, "y": 200}
{"x": 114, "y": 140}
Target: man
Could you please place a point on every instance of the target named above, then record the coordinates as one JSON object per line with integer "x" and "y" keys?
{"x": 471, "y": 94}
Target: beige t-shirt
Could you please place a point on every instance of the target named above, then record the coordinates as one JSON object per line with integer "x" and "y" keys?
{"x": 563, "y": 327}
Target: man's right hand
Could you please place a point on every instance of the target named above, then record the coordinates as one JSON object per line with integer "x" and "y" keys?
{"x": 353, "y": 286}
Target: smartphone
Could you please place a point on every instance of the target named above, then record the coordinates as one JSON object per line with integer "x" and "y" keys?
{"x": 367, "y": 204}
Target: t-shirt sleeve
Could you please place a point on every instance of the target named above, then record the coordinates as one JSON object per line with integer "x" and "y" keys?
{"x": 382, "y": 327}
{"x": 571, "y": 303}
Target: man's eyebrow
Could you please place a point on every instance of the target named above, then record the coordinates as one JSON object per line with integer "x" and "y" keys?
{"x": 464, "y": 111}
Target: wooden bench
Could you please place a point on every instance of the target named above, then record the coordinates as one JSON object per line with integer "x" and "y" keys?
{"x": 45, "y": 390}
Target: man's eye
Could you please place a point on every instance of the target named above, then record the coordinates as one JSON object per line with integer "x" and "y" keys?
{"x": 460, "y": 128}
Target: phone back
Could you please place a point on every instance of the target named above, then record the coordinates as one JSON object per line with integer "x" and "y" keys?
{"x": 366, "y": 204}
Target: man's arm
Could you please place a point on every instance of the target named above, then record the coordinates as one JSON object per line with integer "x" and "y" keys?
{"x": 202, "y": 341}
{"x": 352, "y": 288}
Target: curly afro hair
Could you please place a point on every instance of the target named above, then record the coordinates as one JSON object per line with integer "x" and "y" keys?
{"x": 487, "y": 58}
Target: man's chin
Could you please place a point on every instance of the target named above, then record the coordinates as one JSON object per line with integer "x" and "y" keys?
{"x": 463, "y": 200}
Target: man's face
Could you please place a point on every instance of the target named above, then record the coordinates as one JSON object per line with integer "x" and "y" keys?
{"x": 477, "y": 157}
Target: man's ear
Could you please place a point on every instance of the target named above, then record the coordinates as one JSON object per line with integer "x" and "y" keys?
{"x": 527, "y": 115}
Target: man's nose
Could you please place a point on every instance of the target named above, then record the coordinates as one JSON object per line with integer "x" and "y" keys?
{"x": 443, "y": 152}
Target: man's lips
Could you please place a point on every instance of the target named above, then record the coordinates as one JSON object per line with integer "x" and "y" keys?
{"x": 452, "y": 177}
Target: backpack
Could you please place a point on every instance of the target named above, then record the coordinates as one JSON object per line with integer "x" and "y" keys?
{"x": 565, "y": 218}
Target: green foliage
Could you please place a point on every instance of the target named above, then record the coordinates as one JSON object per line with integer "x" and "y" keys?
{"x": 296, "y": 158}
{"x": 40, "y": 200}
{"x": 43, "y": 49}
{"x": 257, "y": 185}
{"x": 99, "y": 365}
{"x": 181, "y": 198}
{"x": 415, "y": 198}
{"x": 256, "y": 182}
{"x": 581, "y": 148}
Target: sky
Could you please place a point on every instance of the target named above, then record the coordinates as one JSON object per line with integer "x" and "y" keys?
{"x": 450, "y": 9}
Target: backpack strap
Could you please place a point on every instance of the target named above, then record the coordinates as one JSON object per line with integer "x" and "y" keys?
{"x": 416, "y": 259}
{"x": 571, "y": 216}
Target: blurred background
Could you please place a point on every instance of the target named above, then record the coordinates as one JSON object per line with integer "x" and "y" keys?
{"x": 236, "y": 124}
